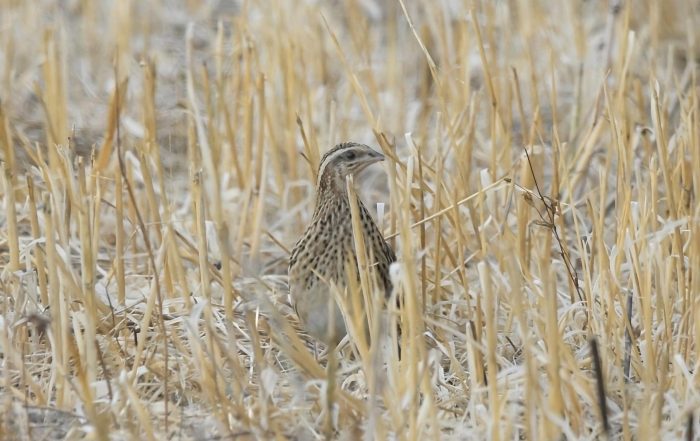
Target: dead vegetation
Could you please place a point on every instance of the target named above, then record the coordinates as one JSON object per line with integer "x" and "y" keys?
{"x": 158, "y": 162}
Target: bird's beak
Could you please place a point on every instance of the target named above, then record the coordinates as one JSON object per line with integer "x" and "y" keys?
{"x": 368, "y": 160}
{"x": 376, "y": 157}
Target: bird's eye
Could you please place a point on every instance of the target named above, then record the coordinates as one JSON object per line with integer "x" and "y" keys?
{"x": 350, "y": 156}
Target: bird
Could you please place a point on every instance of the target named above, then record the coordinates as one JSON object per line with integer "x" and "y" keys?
{"x": 320, "y": 256}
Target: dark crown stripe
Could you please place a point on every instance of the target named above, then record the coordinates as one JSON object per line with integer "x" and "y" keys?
{"x": 338, "y": 147}
{"x": 330, "y": 153}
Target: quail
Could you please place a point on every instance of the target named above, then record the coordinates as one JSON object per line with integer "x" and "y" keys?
{"x": 321, "y": 255}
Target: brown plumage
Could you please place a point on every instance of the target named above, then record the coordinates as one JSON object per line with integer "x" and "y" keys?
{"x": 321, "y": 254}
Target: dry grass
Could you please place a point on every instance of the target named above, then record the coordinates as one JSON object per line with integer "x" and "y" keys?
{"x": 542, "y": 194}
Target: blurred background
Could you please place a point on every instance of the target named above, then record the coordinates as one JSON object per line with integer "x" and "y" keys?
{"x": 169, "y": 147}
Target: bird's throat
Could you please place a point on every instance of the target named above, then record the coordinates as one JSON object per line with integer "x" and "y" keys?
{"x": 331, "y": 185}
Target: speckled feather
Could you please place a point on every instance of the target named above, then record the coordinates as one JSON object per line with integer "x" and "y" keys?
{"x": 321, "y": 254}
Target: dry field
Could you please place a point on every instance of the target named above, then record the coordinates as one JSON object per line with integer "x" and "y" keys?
{"x": 540, "y": 189}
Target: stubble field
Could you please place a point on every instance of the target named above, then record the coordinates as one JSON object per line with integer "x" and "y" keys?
{"x": 540, "y": 191}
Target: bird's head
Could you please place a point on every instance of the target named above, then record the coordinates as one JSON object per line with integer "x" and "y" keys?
{"x": 345, "y": 159}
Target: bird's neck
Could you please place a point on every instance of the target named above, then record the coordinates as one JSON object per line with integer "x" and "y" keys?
{"x": 331, "y": 187}
{"x": 331, "y": 183}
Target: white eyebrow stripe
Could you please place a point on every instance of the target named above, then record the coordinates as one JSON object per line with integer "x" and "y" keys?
{"x": 330, "y": 158}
